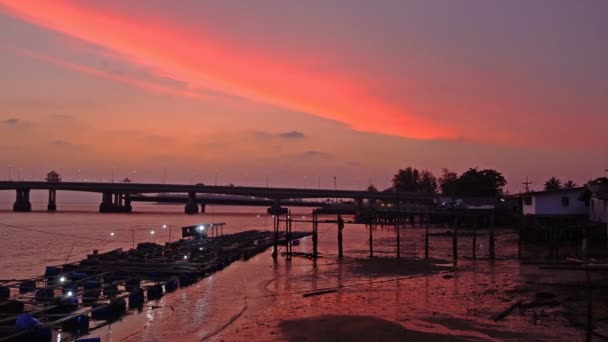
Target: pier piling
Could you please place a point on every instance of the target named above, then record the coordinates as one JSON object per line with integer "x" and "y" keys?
{"x": 426, "y": 237}
{"x": 371, "y": 241}
{"x": 474, "y": 249}
{"x": 455, "y": 241}
{"x": 315, "y": 236}
{"x": 491, "y": 236}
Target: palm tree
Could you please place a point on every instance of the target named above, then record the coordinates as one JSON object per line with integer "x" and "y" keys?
{"x": 553, "y": 184}
{"x": 570, "y": 184}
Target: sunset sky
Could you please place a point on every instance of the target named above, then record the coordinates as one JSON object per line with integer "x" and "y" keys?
{"x": 292, "y": 91}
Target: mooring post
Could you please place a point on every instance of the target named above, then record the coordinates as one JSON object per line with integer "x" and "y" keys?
{"x": 492, "y": 253}
{"x": 520, "y": 225}
{"x": 288, "y": 236}
{"x": 475, "y": 223}
{"x": 275, "y": 226}
{"x": 455, "y": 240}
{"x": 315, "y": 236}
{"x": 397, "y": 222}
{"x": 426, "y": 236}
{"x": 340, "y": 239}
{"x": 371, "y": 241}
{"x": 589, "y": 330}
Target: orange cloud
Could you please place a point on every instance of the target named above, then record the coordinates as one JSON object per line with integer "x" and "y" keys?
{"x": 202, "y": 62}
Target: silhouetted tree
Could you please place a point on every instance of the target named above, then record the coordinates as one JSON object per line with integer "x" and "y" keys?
{"x": 473, "y": 183}
{"x": 448, "y": 183}
{"x": 553, "y": 184}
{"x": 406, "y": 180}
{"x": 427, "y": 182}
{"x": 372, "y": 188}
{"x": 413, "y": 180}
{"x": 570, "y": 184}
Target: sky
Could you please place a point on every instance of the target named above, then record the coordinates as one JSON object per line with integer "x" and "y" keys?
{"x": 295, "y": 93}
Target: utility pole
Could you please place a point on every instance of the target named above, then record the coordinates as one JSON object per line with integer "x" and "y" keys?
{"x": 527, "y": 184}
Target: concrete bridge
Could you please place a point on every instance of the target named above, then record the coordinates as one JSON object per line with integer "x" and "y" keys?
{"x": 117, "y": 197}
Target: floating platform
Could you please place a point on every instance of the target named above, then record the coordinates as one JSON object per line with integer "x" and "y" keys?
{"x": 102, "y": 287}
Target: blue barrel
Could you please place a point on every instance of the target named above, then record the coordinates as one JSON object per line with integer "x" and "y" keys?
{"x": 52, "y": 272}
{"x": 101, "y": 313}
{"x": 79, "y": 323}
{"x": 187, "y": 279}
{"x": 74, "y": 276}
{"x": 110, "y": 290}
{"x": 92, "y": 284}
{"x": 12, "y": 307}
{"x": 118, "y": 306}
{"x": 132, "y": 284}
{"x": 26, "y": 321}
{"x": 69, "y": 287}
{"x": 171, "y": 285}
{"x": 44, "y": 295}
{"x": 155, "y": 292}
{"x": 5, "y": 292}
{"x": 136, "y": 298}
{"x": 27, "y": 286}
{"x": 107, "y": 312}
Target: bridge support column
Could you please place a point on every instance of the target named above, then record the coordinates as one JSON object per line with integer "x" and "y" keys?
{"x": 191, "y": 207}
{"x": 22, "y": 201}
{"x": 52, "y": 206}
{"x": 106, "y": 205}
{"x": 203, "y": 208}
{"x": 127, "y": 208}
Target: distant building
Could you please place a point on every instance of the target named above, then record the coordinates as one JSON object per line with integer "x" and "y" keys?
{"x": 561, "y": 202}
{"x": 53, "y": 177}
{"x": 598, "y": 204}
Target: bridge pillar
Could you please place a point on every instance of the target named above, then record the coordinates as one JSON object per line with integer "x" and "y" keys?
{"x": 106, "y": 205}
{"x": 127, "y": 208}
{"x": 52, "y": 206}
{"x": 22, "y": 201}
{"x": 115, "y": 203}
{"x": 191, "y": 207}
{"x": 203, "y": 207}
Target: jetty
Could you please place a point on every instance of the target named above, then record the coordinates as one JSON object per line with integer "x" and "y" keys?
{"x": 80, "y": 296}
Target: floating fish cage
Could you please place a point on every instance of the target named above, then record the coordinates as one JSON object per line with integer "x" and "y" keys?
{"x": 105, "y": 286}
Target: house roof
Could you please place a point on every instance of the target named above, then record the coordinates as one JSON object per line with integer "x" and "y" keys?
{"x": 556, "y": 191}
{"x": 599, "y": 190}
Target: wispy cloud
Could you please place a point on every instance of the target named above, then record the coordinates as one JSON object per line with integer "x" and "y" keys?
{"x": 292, "y": 135}
{"x": 313, "y": 154}
{"x": 15, "y": 122}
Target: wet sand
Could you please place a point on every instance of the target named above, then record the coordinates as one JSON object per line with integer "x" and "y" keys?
{"x": 415, "y": 300}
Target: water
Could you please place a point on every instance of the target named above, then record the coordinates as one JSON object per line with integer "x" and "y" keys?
{"x": 249, "y": 300}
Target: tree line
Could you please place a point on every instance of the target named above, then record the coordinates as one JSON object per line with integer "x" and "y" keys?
{"x": 472, "y": 183}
